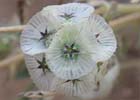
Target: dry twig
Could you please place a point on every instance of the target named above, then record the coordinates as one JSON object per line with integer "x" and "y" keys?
{"x": 124, "y": 21}
{"x": 12, "y": 29}
{"x": 121, "y": 8}
{"x": 13, "y": 59}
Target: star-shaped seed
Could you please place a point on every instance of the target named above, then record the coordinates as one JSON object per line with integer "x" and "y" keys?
{"x": 70, "y": 50}
{"x": 44, "y": 34}
{"x": 67, "y": 16}
{"x": 73, "y": 81}
{"x": 43, "y": 65}
{"x": 97, "y": 35}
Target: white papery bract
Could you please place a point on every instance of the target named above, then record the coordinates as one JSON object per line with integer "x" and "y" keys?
{"x": 97, "y": 84}
{"x": 76, "y": 87}
{"x": 104, "y": 81}
{"x": 105, "y": 44}
{"x": 66, "y": 62}
{"x": 71, "y": 12}
{"x": 41, "y": 79}
{"x": 35, "y": 34}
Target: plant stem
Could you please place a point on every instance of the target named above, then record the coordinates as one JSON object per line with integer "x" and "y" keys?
{"x": 121, "y": 8}
{"x": 12, "y": 29}
{"x": 124, "y": 21}
{"x": 11, "y": 60}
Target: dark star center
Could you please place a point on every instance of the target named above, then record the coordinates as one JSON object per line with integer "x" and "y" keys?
{"x": 45, "y": 34}
{"x": 73, "y": 81}
{"x": 67, "y": 16}
{"x": 43, "y": 65}
{"x": 70, "y": 51}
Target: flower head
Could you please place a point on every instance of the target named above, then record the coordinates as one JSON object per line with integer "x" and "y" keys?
{"x": 69, "y": 56}
{"x": 75, "y": 87}
{"x": 71, "y": 12}
{"x": 39, "y": 71}
{"x": 101, "y": 36}
{"x": 36, "y": 36}
{"x": 69, "y": 45}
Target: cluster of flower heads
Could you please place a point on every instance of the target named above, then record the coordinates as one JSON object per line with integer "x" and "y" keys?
{"x": 67, "y": 48}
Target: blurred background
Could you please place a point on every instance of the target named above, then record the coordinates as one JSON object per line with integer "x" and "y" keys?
{"x": 122, "y": 15}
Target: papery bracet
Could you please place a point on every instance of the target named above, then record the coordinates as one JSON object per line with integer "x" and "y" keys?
{"x": 42, "y": 79}
{"x": 106, "y": 81}
{"x": 71, "y": 12}
{"x": 70, "y": 64}
{"x": 98, "y": 29}
{"x": 34, "y": 35}
{"x": 88, "y": 85}
{"x": 75, "y": 87}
